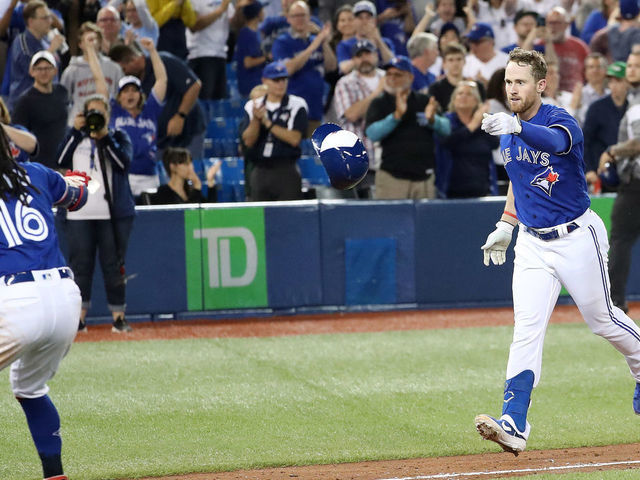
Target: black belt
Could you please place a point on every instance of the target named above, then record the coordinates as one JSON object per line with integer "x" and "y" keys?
{"x": 21, "y": 277}
{"x": 554, "y": 233}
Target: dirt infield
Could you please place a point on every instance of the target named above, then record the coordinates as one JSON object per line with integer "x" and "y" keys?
{"x": 494, "y": 465}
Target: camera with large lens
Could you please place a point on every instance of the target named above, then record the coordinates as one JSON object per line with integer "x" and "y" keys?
{"x": 94, "y": 120}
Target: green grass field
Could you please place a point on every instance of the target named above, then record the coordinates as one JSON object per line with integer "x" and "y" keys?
{"x": 133, "y": 409}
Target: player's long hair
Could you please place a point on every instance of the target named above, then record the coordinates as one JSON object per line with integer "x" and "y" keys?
{"x": 14, "y": 181}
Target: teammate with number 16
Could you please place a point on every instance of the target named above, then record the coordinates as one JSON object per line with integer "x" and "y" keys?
{"x": 39, "y": 301}
{"x": 560, "y": 242}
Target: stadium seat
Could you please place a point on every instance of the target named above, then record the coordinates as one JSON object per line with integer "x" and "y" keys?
{"x": 313, "y": 172}
{"x": 230, "y": 178}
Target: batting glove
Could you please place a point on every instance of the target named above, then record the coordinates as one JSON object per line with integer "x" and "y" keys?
{"x": 495, "y": 248}
{"x": 501, "y": 124}
{"x": 76, "y": 178}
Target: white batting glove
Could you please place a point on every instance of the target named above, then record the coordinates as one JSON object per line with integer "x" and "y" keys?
{"x": 495, "y": 248}
{"x": 501, "y": 124}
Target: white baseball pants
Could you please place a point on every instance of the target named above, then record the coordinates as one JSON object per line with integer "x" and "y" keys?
{"x": 579, "y": 262}
{"x": 38, "y": 322}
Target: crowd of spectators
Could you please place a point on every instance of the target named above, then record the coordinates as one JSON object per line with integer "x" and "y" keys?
{"x": 411, "y": 78}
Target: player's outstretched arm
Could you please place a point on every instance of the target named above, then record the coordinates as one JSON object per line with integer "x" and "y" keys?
{"x": 547, "y": 139}
{"x": 495, "y": 248}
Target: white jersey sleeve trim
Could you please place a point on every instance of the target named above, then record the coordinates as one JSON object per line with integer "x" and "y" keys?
{"x": 557, "y": 125}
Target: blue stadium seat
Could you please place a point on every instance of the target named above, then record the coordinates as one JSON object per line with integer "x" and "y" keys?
{"x": 222, "y": 127}
{"x": 230, "y": 178}
{"x": 313, "y": 172}
{"x": 162, "y": 174}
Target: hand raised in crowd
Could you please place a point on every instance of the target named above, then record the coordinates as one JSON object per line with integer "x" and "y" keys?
{"x": 147, "y": 44}
{"x": 401, "y": 104}
{"x": 476, "y": 119}
{"x": 259, "y": 112}
{"x": 211, "y": 173}
{"x": 79, "y": 121}
{"x": 429, "y": 11}
{"x": 325, "y": 34}
{"x": 431, "y": 109}
{"x": 56, "y": 42}
{"x": 90, "y": 40}
{"x": 192, "y": 176}
{"x": 129, "y": 37}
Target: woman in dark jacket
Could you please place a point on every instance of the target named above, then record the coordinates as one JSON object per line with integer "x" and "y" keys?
{"x": 105, "y": 223}
{"x": 464, "y": 163}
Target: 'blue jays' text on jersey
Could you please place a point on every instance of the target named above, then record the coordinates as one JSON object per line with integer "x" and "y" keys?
{"x": 28, "y": 239}
{"x": 549, "y": 187}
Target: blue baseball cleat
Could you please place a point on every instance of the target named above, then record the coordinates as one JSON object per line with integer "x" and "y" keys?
{"x": 504, "y": 432}
{"x": 636, "y": 399}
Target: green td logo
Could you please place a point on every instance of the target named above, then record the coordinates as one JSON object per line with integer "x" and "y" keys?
{"x": 226, "y": 262}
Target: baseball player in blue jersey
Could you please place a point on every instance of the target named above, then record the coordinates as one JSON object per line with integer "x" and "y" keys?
{"x": 560, "y": 242}
{"x": 39, "y": 301}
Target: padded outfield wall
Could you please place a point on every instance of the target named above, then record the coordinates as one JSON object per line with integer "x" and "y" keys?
{"x": 309, "y": 256}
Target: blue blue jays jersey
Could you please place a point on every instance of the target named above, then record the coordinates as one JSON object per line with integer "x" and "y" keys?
{"x": 549, "y": 187}
{"x": 28, "y": 239}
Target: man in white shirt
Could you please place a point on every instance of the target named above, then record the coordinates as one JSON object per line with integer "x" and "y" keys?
{"x": 484, "y": 58}
{"x": 207, "y": 44}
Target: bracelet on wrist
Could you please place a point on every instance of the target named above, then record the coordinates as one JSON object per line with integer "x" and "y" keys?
{"x": 509, "y": 214}
{"x": 611, "y": 155}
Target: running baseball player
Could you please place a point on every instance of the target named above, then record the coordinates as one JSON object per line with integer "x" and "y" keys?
{"x": 39, "y": 301}
{"x": 560, "y": 242}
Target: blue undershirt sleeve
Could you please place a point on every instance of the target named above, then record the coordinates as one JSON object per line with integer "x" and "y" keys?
{"x": 380, "y": 129}
{"x": 553, "y": 140}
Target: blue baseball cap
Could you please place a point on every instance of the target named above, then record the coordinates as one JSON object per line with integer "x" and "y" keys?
{"x": 275, "y": 70}
{"x": 400, "y": 62}
{"x": 629, "y": 9}
{"x": 362, "y": 45}
{"x": 479, "y": 31}
{"x": 365, "y": 6}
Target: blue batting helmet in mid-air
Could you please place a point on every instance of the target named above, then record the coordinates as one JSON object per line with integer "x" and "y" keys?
{"x": 342, "y": 153}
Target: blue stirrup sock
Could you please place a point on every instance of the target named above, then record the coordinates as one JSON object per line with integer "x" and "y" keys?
{"x": 44, "y": 425}
{"x": 517, "y": 397}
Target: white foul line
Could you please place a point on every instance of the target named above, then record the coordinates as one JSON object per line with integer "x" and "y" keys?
{"x": 522, "y": 470}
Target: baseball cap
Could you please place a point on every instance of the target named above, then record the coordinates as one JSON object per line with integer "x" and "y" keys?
{"x": 365, "y": 6}
{"x": 479, "y": 31}
{"x": 129, "y": 80}
{"x": 275, "y": 70}
{"x": 617, "y": 69}
{"x": 629, "y": 9}
{"x": 252, "y": 10}
{"x": 400, "y": 62}
{"x": 43, "y": 55}
{"x": 361, "y": 46}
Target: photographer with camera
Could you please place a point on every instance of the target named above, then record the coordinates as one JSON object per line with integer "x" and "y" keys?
{"x": 104, "y": 224}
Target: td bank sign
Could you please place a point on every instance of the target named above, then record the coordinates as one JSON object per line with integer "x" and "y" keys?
{"x": 225, "y": 256}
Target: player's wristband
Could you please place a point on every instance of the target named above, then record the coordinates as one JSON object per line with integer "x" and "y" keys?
{"x": 509, "y": 214}
{"x": 611, "y": 155}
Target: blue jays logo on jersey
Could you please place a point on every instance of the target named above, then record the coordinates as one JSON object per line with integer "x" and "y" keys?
{"x": 546, "y": 180}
